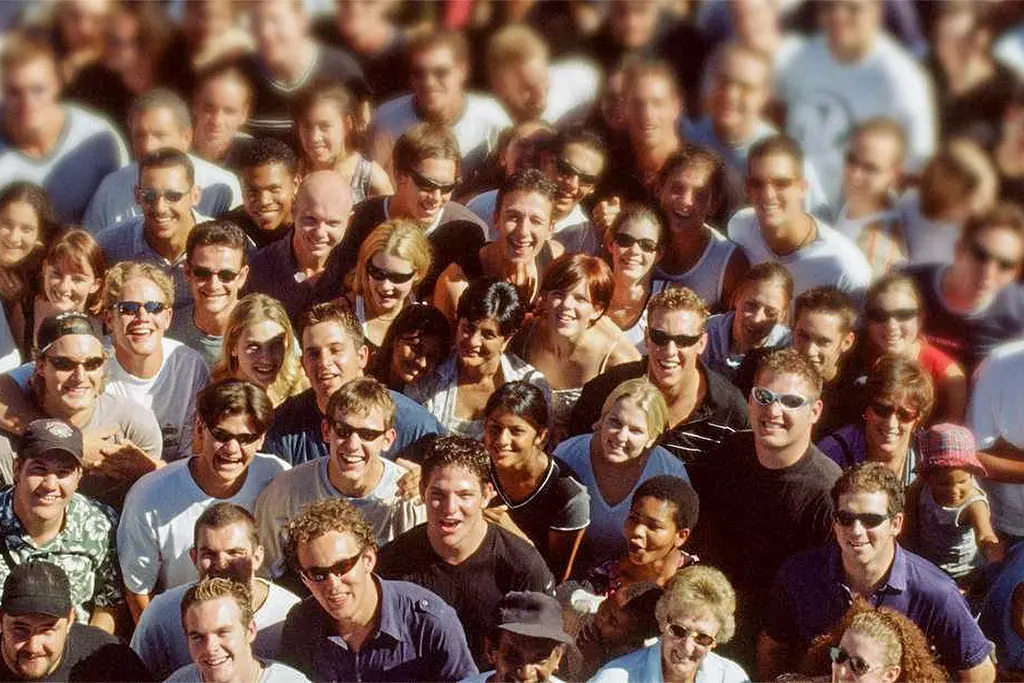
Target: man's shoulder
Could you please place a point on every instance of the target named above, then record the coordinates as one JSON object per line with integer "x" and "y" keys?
{"x": 89, "y": 517}
{"x": 151, "y": 490}
{"x": 85, "y": 123}
{"x": 486, "y": 108}
{"x": 290, "y": 483}
{"x": 926, "y": 581}
{"x": 723, "y": 394}
{"x": 274, "y": 253}
{"x": 208, "y": 172}
{"x": 741, "y": 225}
{"x": 409, "y": 546}
{"x": 88, "y": 638}
{"x": 297, "y": 405}
{"x": 455, "y": 212}
{"x": 121, "y": 237}
{"x": 412, "y": 597}
{"x": 518, "y": 555}
{"x": 180, "y": 357}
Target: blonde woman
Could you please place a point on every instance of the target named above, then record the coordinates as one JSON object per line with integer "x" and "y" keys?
{"x": 613, "y": 461}
{"x": 259, "y": 345}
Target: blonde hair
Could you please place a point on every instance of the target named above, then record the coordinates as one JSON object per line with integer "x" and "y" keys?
{"x": 678, "y": 299}
{"x": 647, "y": 397}
{"x": 399, "y": 238}
{"x": 120, "y": 273}
{"x": 513, "y": 45}
{"x": 700, "y": 587}
{"x": 252, "y": 310}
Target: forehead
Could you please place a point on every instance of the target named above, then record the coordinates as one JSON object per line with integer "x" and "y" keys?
{"x": 219, "y": 254}
{"x": 435, "y": 54}
{"x": 1002, "y": 239}
{"x": 820, "y": 323}
{"x": 38, "y": 69}
{"x": 234, "y": 535}
{"x": 156, "y": 117}
{"x": 368, "y": 415}
{"x": 271, "y": 173}
{"x": 327, "y": 203}
{"x": 141, "y": 289}
{"x": 526, "y": 200}
{"x": 213, "y": 614}
{"x": 164, "y": 177}
{"x": 775, "y": 164}
{"x": 583, "y": 156}
{"x": 770, "y": 291}
{"x": 327, "y": 548}
{"x": 676, "y": 319}
{"x": 325, "y": 334}
{"x": 652, "y": 85}
{"x": 438, "y": 168}
{"x": 785, "y": 382}
{"x": 865, "y": 501}
{"x": 52, "y": 460}
{"x": 743, "y": 67}
{"x": 876, "y": 143}
{"x": 454, "y": 478}
{"x": 224, "y": 85}
{"x": 71, "y": 343}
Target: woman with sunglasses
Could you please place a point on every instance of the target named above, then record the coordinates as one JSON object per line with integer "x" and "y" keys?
{"x": 898, "y": 398}
{"x": 418, "y": 339}
{"x": 893, "y": 326}
{"x": 696, "y": 613}
{"x": 259, "y": 346}
{"x": 636, "y": 245}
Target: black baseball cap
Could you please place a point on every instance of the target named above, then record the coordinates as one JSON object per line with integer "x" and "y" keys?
{"x": 62, "y": 324}
{"x": 533, "y": 614}
{"x": 43, "y": 436}
{"x": 37, "y": 587}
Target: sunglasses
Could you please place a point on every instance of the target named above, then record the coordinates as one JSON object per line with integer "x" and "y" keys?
{"x": 224, "y": 436}
{"x": 765, "y": 397}
{"x": 885, "y": 411}
{"x": 566, "y": 168}
{"x": 226, "y": 276}
{"x": 339, "y": 569}
{"x": 151, "y": 196}
{"x": 66, "y": 364}
{"x": 777, "y": 184}
{"x": 661, "y": 338}
{"x": 879, "y": 315}
{"x": 627, "y": 241}
{"x": 135, "y": 307}
{"x": 682, "y": 633}
{"x": 869, "y": 520}
{"x": 440, "y": 73}
{"x": 983, "y": 256}
{"x": 857, "y": 665}
{"x": 381, "y": 275}
{"x": 428, "y": 185}
{"x": 344, "y": 430}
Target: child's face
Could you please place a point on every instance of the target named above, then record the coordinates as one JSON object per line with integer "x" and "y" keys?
{"x": 950, "y": 486}
{"x": 614, "y": 624}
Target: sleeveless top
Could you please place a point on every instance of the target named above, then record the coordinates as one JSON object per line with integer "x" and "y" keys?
{"x": 360, "y": 184}
{"x": 718, "y": 355}
{"x": 707, "y": 276}
{"x": 942, "y": 539}
{"x": 635, "y": 333}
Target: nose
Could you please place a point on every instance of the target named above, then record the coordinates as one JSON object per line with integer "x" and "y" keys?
{"x": 759, "y": 316}
{"x": 79, "y": 372}
{"x": 265, "y": 197}
{"x": 352, "y": 441}
{"x": 447, "y": 504}
{"x": 504, "y": 438}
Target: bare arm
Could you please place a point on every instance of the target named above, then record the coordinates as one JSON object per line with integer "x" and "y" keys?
{"x": 952, "y": 392}
{"x": 137, "y": 603}
{"x": 979, "y": 517}
{"x": 16, "y": 407}
{"x": 450, "y": 286}
{"x": 772, "y": 657}
{"x": 561, "y": 555}
{"x": 104, "y": 618}
{"x": 1004, "y": 462}
{"x": 380, "y": 183}
{"x": 983, "y": 673}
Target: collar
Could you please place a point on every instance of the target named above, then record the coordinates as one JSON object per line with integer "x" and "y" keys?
{"x": 894, "y": 582}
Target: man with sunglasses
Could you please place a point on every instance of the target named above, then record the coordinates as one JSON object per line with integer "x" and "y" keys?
{"x": 813, "y": 590}
{"x": 358, "y": 427}
{"x": 160, "y": 512}
{"x": 355, "y": 625}
{"x": 976, "y": 303}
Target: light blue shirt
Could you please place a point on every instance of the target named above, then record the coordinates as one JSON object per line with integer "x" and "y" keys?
{"x": 644, "y": 666}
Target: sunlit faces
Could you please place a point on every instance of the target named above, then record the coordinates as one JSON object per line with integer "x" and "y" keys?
{"x": 950, "y": 486}
{"x": 268, "y": 194}
{"x": 738, "y": 94}
{"x": 850, "y": 25}
{"x": 424, "y": 197}
{"x": 479, "y": 342}
{"x": 634, "y": 261}
{"x": 523, "y": 88}
{"x": 387, "y": 295}
{"x": 819, "y": 335}
{"x": 671, "y": 363}
{"x": 624, "y": 433}
{"x": 651, "y": 531}
{"x": 169, "y": 213}
{"x": 213, "y": 289}
{"x": 33, "y": 644}
{"x": 455, "y": 500}
{"x": 437, "y": 80}
{"x": 220, "y": 645}
{"x": 322, "y": 131}
{"x": 524, "y": 659}
{"x": 221, "y": 107}
{"x": 865, "y": 648}
{"x": 575, "y": 173}
{"x": 633, "y": 22}
{"x": 776, "y": 427}
{"x": 858, "y": 543}
{"x": 511, "y": 440}
{"x": 893, "y": 321}
{"x": 871, "y": 168}
{"x": 687, "y": 197}
{"x": 68, "y": 392}
{"x": 991, "y": 260}
{"x": 279, "y": 27}
{"x": 156, "y": 128}
{"x": 887, "y": 430}
{"x": 653, "y": 108}
{"x": 260, "y": 352}
{"x": 20, "y": 233}
{"x": 223, "y": 457}
{"x": 571, "y": 312}
{"x": 321, "y": 218}
{"x": 30, "y": 94}
{"x": 226, "y": 552}
{"x": 524, "y": 222}
{"x": 343, "y": 596}
{"x": 776, "y": 189}
{"x": 330, "y": 357}
{"x": 681, "y": 657}
{"x": 44, "y": 485}
{"x": 68, "y": 283}
{"x": 142, "y": 333}
{"x": 354, "y": 455}
{"x": 760, "y": 306}
{"x": 415, "y": 355}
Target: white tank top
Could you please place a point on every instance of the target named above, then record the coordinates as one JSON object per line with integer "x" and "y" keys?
{"x": 706, "y": 276}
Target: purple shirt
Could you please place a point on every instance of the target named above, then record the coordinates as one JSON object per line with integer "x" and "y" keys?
{"x": 810, "y": 596}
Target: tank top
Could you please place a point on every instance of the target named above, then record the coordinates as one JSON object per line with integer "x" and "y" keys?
{"x": 942, "y": 539}
{"x": 360, "y": 184}
{"x": 707, "y": 276}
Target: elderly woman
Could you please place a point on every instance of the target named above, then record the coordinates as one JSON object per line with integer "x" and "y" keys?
{"x": 615, "y": 460}
{"x": 893, "y": 327}
{"x": 696, "y": 614}
{"x": 636, "y": 242}
{"x": 416, "y": 342}
{"x": 457, "y": 392}
{"x": 898, "y": 398}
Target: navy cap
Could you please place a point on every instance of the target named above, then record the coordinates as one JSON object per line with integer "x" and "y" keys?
{"x": 37, "y": 588}
{"x": 532, "y": 614}
{"x": 63, "y": 324}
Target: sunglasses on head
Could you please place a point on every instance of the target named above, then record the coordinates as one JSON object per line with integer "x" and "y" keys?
{"x": 224, "y": 436}
{"x": 857, "y": 665}
{"x": 67, "y": 364}
{"x": 429, "y": 185}
{"x": 869, "y": 520}
{"x": 339, "y": 569}
{"x": 902, "y": 315}
{"x": 682, "y": 632}
{"x": 152, "y": 196}
{"x": 344, "y": 430}
{"x": 135, "y": 307}
{"x": 765, "y": 397}
{"x": 886, "y": 410}
{"x": 566, "y": 168}
{"x": 662, "y": 338}
{"x": 983, "y": 256}
{"x": 226, "y": 276}
{"x": 627, "y": 241}
{"x": 380, "y": 275}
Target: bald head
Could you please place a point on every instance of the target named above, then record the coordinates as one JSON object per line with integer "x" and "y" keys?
{"x": 323, "y": 205}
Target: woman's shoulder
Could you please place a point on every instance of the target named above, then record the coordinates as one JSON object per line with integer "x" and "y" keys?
{"x": 717, "y": 669}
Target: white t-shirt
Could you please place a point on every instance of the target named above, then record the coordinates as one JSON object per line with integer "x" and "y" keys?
{"x": 826, "y": 99}
{"x": 10, "y": 357}
{"x": 273, "y": 672}
{"x": 830, "y": 260}
{"x": 574, "y": 87}
{"x": 1009, "y": 49}
{"x": 997, "y": 412}
{"x": 158, "y": 519}
{"x": 160, "y": 640}
{"x": 283, "y": 499}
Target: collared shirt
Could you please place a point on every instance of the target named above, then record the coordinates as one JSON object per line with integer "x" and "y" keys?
{"x": 274, "y": 271}
{"x": 86, "y": 549}
{"x": 644, "y": 666}
{"x": 810, "y": 595}
{"x": 418, "y": 638}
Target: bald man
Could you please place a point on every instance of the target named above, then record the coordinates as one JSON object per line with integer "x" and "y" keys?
{"x": 290, "y": 269}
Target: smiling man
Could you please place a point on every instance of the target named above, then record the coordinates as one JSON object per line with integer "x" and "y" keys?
{"x": 161, "y": 510}
{"x": 269, "y": 183}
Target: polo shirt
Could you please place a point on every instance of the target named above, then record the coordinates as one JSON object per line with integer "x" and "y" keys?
{"x": 274, "y": 271}
{"x": 295, "y": 435}
{"x": 418, "y": 638}
{"x": 810, "y": 595}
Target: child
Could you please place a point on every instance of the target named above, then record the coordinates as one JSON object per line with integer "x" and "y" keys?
{"x": 948, "y": 513}
{"x": 622, "y": 624}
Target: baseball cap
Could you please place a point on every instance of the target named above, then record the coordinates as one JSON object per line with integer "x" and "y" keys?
{"x": 61, "y": 324}
{"x": 533, "y": 614}
{"x": 37, "y": 587}
{"x": 43, "y": 436}
{"x": 946, "y": 446}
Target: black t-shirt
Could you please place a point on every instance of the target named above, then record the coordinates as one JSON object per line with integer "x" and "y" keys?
{"x": 977, "y": 113}
{"x": 386, "y": 71}
{"x": 502, "y": 563}
{"x": 104, "y": 91}
{"x": 259, "y": 236}
{"x": 92, "y": 655}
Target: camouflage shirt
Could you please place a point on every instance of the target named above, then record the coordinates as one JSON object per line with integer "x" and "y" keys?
{"x": 85, "y": 549}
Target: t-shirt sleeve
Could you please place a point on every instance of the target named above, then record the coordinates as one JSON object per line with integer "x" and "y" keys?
{"x": 146, "y": 643}
{"x": 137, "y": 548}
{"x": 271, "y": 519}
{"x": 143, "y": 430}
{"x": 575, "y": 513}
{"x": 533, "y": 573}
{"x": 985, "y": 410}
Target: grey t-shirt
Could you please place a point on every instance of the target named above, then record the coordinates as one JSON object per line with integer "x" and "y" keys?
{"x": 183, "y": 328}
{"x": 273, "y": 672}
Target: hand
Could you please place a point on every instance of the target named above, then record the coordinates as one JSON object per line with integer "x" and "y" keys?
{"x": 409, "y": 484}
{"x": 524, "y": 277}
{"x": 606, "y": 211}
{"x": 93, "y": 445}
{"x": 127, "y": 462}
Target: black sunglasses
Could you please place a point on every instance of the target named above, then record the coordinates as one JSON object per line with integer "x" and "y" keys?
{"x": 344, "y": 430}
{"x": 983, "y": 256}
{"x": 885, "y": 411}
{"x": 662, "y": 338}
{"x": 380, "y": 275}
{"x": 339, "y": 569}
{"x": 902, "y": 315}
{"x": 135, "y": 307}
{"x": 627, "y": 241}
{"x": 67, "y": 364}
{"x": 224, "y": 436}
{"x": 149, "y": 195}
{"x": 857, "y": 665}
{"x": 428, "y": 185}
{"x": 566, "y": 168}
{"x": 682, "y": 632}
{"x": 226, "y": 276}
{"x": 764, "y": 397}
{"x": 870, "y": 520}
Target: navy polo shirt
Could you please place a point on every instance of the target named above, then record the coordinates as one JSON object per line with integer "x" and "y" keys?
{"x": 295, "y": 435}
{"x": 418, "y": 638}
{"x": 810, "y": 596}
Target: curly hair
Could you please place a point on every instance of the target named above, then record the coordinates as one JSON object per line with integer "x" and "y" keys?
{"x": 120, "y": 273}
{"x": 678, "y": 299}
{"x": 212, "y": 588}
{"x": 455, "y": 451}
{"x": 322, "y": 517}
{"x": 791, "y": 362}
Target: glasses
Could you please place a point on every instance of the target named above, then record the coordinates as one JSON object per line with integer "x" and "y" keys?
{"x": 627, "y": 241}
{"x": 662, "y": 338}
{"x": 339, "y": 569}
{"x": 682, "y": 633}
{"x": 226, "y": 276}
{"x": 566, "y": 168}
{"x": 886, "y": 410}
{"x": 345, "y": 430}
{"x": 224, "y": 436}
{"x": 879, "y": 315}
{"x": 983, "y": 256}
{"x": 440, "y": 73}
{"x": 381, "y": 275}
{"x": 857, "y": 665}
{"x": 869, "y": 520}
{"x": 133, "y": 308}
{"x": 777, "y": 184}
{"x": 67, "y": 364}
{"x": 152, "y": 196}
{"x": 765, "y": 397}
{"x": 426, "y": 184}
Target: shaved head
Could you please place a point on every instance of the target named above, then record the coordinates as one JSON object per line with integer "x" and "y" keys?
{"x": 323, "y": 206}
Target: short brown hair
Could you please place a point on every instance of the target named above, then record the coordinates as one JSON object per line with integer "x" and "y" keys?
{"x": 791, "y": 362}
{"x": 901, "y": 379}
{"x": 22, "y": 48}
{"x": 888, "y": 282}
{"x": 870, "y": 477}
{"x": 333, "y": 312}
{"x": 455, "y": 451}
{"x": 782, "y": 145}
{"x": 234, "y": 397}
{"x": 513, "y": 45}
{"x": 678, "y": 299}
{"x": 215, "y": 588}
{"x": 322, "y": 91}
{"x": 427, "y": 38}
{"x": 569, "y": 270}
{"x": 1006, "y": 215}
{"x": 222, "y": 514}
{"x": 884, "y": 125}
{"x": 78, "y": 248}
{"x": 829, "y": 300}
{"x": 695, "y": 156}
{"x": 772, "y": 272}
{"x": 646, "y": 68}
{"x": 361, "y": 395}
{"x": 120, "y": 273}
{"x": 221, "y": 232}
{"x": 322, "y": 517}
{"x": 425, "y": 141}
{"x": 959, "y": 169}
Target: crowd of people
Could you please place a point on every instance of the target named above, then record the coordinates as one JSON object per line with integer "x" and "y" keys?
{"x": 539, "y": 340}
